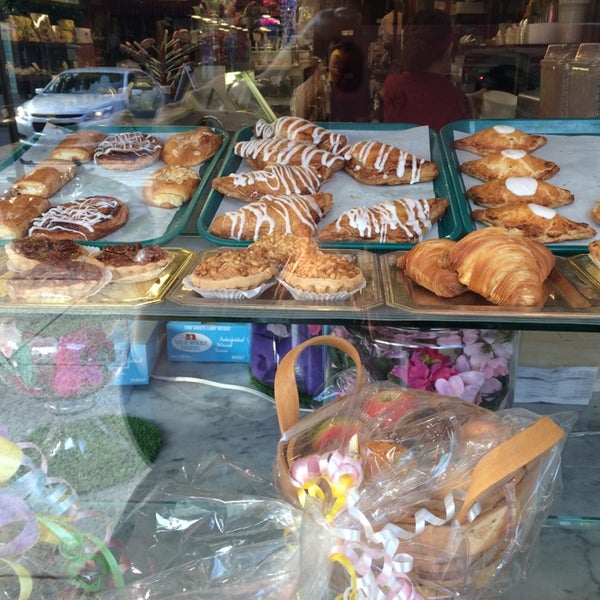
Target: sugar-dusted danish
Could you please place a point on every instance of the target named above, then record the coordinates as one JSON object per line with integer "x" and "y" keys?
{"x": 260, "y": 153}
{"x": 79, "y": 145}
{"x": 505, "y": 267}
{"x": 426, "y": 263}
{"x": 293, "y": 213}
{"x": 513, "y": 190}
{"x": 17, "y": 212}
{"x": 232, "y": 270}
{"x": 46, "y": 178}
{"x": 281, "y": 248}
{"x": 322, "y": 273}
{"x": 190, "y": 148}
{"x": 509, "y": 163}
{"x": 170, "y": 187}
{"x": 539, "y": 223}
{"x": 402, "y": 220}
{"x": 377, "y": 163}
{"x": 303, "y": 131}
{"x": 497, "y": 138}
{"x": 274, "y": 179}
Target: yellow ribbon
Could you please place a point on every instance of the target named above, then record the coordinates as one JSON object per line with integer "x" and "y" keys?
{"x": 10, "y": 459}
{"x": 25, "y": 582}
{"x": 338, "y": 491}
{"x": 343, "y": 560}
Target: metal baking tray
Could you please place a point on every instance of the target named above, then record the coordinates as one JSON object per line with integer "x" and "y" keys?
{"x": 278, "y": 297}
{"x": 573, "y": 144}
{"x": 572, "y": 292}
{"x": 146, "y": 224}
{"x": 130, "y": 295}
{"x": 449, "y": 225}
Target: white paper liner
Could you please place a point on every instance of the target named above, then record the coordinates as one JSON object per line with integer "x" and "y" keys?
{"x": 312, "y": 296}
{"x": 224, "y": 294}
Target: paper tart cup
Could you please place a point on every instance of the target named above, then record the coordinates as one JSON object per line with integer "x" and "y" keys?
{"x": 231, "y": 294}
{"x": 314, "y": 296}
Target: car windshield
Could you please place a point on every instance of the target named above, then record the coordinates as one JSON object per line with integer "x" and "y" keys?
{"x": 85, "y": 83}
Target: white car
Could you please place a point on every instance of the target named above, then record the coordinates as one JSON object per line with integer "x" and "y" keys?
{"x": 90, "y": 96}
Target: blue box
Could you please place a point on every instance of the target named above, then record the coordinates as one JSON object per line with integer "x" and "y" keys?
{"x": 147, "y": 341}
{"x": 208, "y": 342}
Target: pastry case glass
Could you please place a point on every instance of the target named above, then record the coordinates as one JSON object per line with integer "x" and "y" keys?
{"x": 126, "y": 473}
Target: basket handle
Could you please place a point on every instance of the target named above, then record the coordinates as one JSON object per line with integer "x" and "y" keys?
{"x": 509, "y": 456}
{"x": 287, "y": 399}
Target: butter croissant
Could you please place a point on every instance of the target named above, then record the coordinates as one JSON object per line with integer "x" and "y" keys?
{"x": 298, "y": 214}
{"x": 274, "y": 179}
{"x": 497, "y": 138}
{"x": 403, "y": 220}
{"x": 377, "y": 163}
{"x": 507, "y": 268}
{"x": 509, "y": 163}
{"x": 540, "y": 223}
{"x": 426, "y": 263}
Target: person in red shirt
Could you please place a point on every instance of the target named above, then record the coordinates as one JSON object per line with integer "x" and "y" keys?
{"x": 422, "y": 93}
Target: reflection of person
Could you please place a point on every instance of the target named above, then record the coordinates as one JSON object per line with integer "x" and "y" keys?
{"x": 422, "y": 93}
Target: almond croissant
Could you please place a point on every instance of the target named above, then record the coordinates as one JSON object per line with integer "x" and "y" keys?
{"x": 507, "y": 268}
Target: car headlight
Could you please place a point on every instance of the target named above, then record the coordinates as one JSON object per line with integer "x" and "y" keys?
{"x": 21, "y": 112}
{"x": 100, "y": 113}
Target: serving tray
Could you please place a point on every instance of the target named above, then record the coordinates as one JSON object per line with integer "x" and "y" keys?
{"x": 114, "y": 294}
{"x": 146, "y": 224}
{"x": 573, "y": 291}
{"x": 349, "y": 193}
{"x": 573, "y": 144}
{"x": 278, "y": 297}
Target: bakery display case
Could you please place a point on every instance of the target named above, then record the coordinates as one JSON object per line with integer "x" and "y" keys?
{"x": 108, "y": 498}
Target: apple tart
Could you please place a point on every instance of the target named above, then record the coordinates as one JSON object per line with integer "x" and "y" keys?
{"x": 497, "y": 138}
{"x": 539, "y": 223}
{"x": 509, "y": 163}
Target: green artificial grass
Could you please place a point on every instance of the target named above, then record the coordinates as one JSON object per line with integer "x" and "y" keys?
{"x": 100, "y": 452}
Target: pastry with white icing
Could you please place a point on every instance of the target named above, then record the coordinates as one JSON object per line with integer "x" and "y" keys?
{"x": 539, "y": 223}
{"x": 128, "y": 151}
{"x": 492, "y": 140}
{"x": 404, "y": 220}
{"x": 513, "y": 190}
{"x": 509, "y": 163}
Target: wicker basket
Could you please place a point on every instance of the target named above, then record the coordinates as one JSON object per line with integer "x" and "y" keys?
{"x": 461, "y": 556}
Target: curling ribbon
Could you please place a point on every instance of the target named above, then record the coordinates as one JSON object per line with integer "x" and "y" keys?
{"x": 25, "y": 583}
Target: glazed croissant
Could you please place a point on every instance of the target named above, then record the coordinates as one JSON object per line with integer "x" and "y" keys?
{"x": 403, "y": 220}
{"x": 506, "y": 268}
{"x": 302, "y": 131}
{"x": 426, "y": 263}
{"x": 274, "y": 179}
{"x": 298, "y": 214}
{"x": 377, "y": 163}
{"x": 273, "y": 151}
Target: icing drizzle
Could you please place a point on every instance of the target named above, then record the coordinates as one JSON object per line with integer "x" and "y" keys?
{"x": 374, "y": 222}
{"x": 281, "y": 179}
{"x": 129, "y": 142}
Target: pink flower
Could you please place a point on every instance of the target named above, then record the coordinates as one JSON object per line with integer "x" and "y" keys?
{"x": 426, "y": 366}
{"x": 10, "y": 337}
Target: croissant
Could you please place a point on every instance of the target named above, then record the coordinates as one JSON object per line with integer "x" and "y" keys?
{"x": 499, "y": 192}
{"x": 377, "y": 163}
{"x": 505, "y": 267}
{"x": 403, "y": 220}
{"x": 509, "y": 163}
{"x": 540, "y": 223}
{"x": 302, "y": 131}
{"x": 260, "y": 153}
{"x": 274, "y": 179}
{"x": 426, "y": 263}
{"x": 497, "y": 138}
{"x": 273, "y": 214}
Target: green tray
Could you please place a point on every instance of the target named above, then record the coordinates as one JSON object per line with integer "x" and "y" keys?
{"x": 549, "y": 127}
{"x": 449, "y": 225}
{"x": 180, "y": 216}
